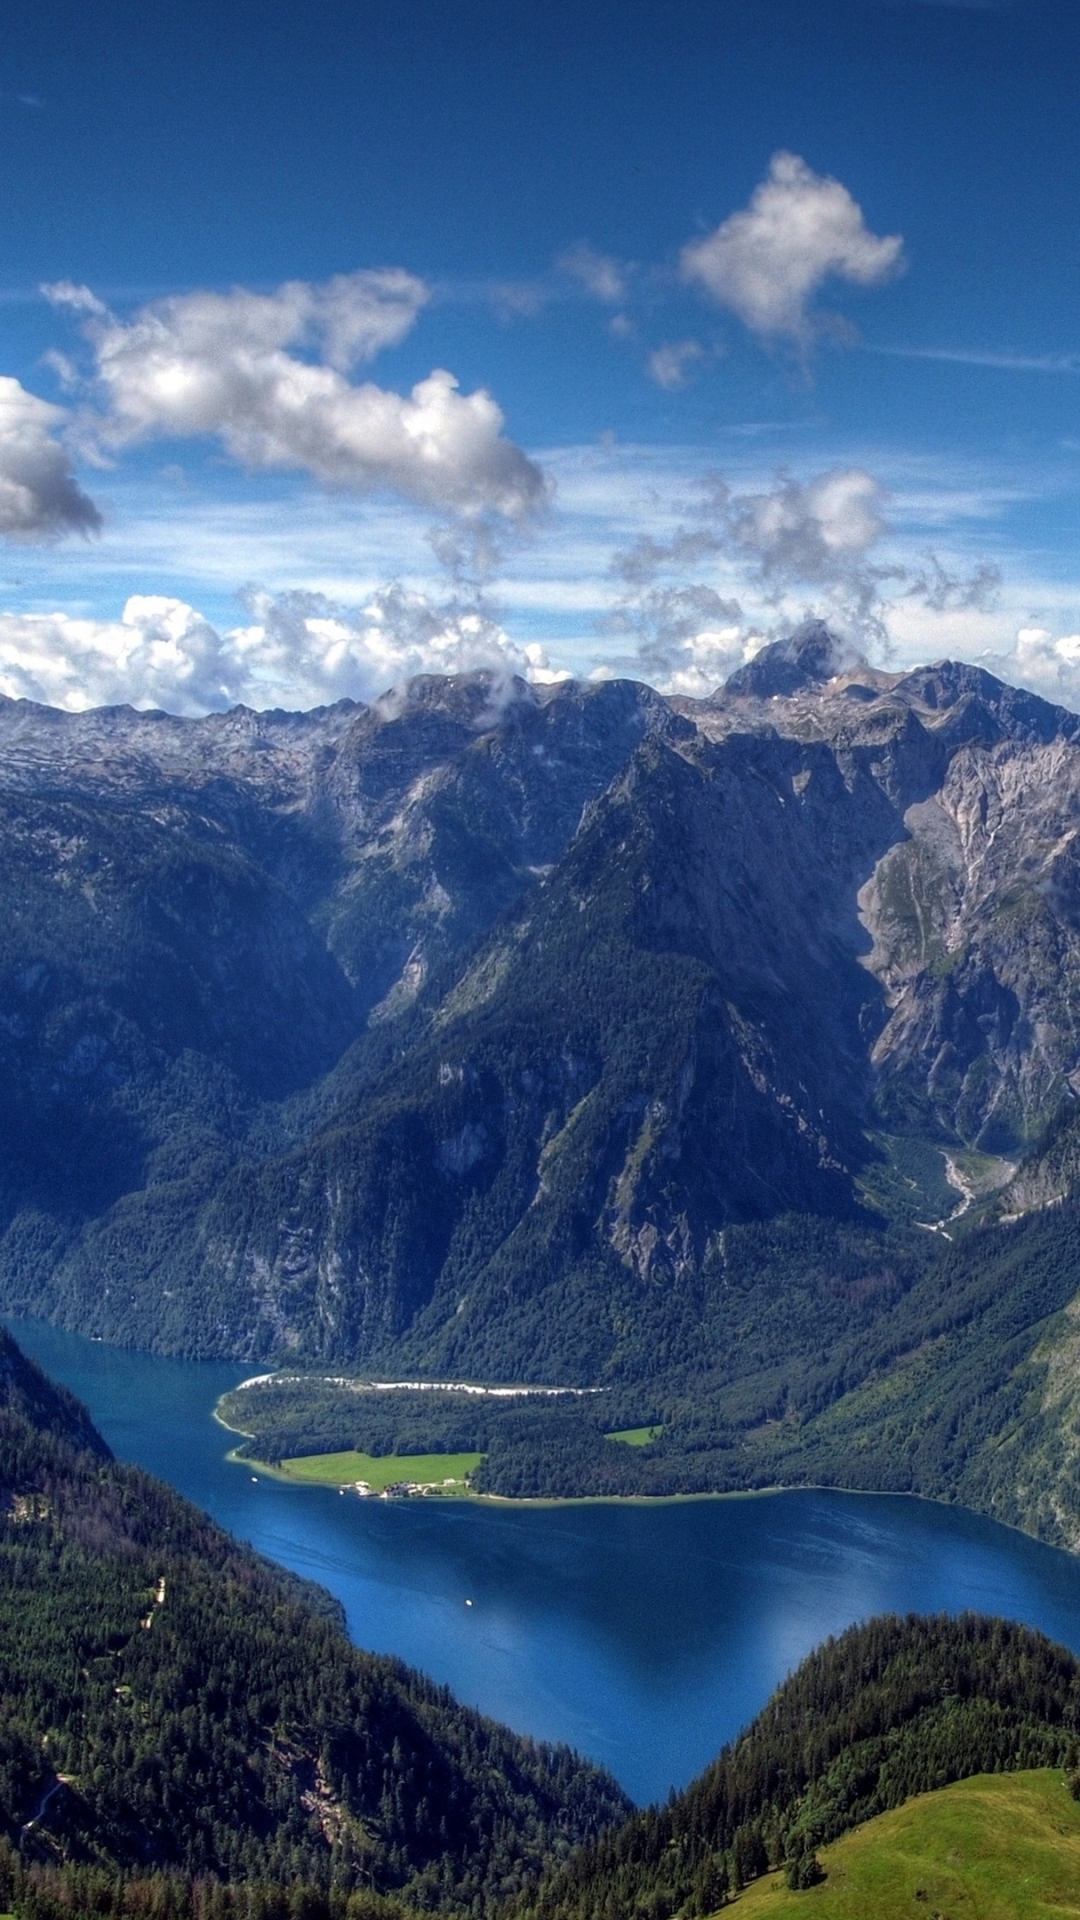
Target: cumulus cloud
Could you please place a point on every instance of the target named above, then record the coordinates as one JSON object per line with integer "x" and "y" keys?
{"x": 351, "y": 318}
{"x": 159, "y": 653}
{"x": 294, "y": 650}
{"x": 1044, "y": 662}
{"x": 40, "y": 498}
{"x": 797, "y": 535}
{"x": 600, "y": 275}
{"x": 231, "y": 366}
{"x": 767, "y": 261}
{"x": 801, "y": 548}
{"x": 670, "y": 365}
{"x": 813, "y": 532}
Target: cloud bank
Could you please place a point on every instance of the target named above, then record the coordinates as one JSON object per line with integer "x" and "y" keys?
{"x": 39, "y": 496}
{"x": 295, "y": 650}
{"x": 767, "y": 262}
{"x": 231, "y": 366}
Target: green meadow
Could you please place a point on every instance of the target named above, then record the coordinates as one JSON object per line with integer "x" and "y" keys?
{"x": 445, "y": 1472}
{"x": 997, "y": 1847}
{"x": 636, "y": 1436}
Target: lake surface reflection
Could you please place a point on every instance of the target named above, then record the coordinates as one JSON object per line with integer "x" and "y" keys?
{"x": 644, "y": 1636}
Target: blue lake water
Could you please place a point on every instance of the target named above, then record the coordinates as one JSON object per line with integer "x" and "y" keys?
{"x": 644, "y": 1636}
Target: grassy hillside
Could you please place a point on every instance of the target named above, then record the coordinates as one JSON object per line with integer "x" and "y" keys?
{"x": 998, "y": 1847}
{"x": 887, "y": 1711}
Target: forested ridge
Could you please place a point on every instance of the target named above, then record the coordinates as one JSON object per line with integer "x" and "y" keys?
{"x": 171, "y": 1705}
{"x": 890, "y": 1709}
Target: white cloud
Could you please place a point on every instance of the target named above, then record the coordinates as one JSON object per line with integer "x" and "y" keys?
{"x": 685, "y": 635}
{"x": 160, "y": 653}
{"x": 768, "y": 261}
{"x": 996, "y": 358}
{"x": 750, "y": 566}
{"x": 557, "y": 585}
{"x": 219, "y": 364}
{"x": 296, "y": 650}
{"x": 40, "y": 498}
{"x": 811, "y": 532}
{"x": 670, "y": 365}
{"x": 351, "y": 318}
{"x": 706, "y": 660}
{"x": 1044, "y": 663}
{"x": 795, "y": 535}
{"x": 598, "y": 273}
{"x": 69, "y": 293}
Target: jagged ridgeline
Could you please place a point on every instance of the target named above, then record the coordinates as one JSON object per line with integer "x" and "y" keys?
{"x": 477, "y": 1030}
{"x": 172, "y": 1705}
{"x": 889, "y": 1710}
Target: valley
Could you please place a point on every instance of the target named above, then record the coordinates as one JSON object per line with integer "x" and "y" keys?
{"x": 221, "y": 1743}
{"x": 643, "y": 1634}
{"x": 172, "y": 1703}
{"x": 549, "y": 1105}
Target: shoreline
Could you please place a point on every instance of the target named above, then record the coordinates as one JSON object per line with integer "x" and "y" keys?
{"x": 260, "y": 1467}
{"x": 552, "y": 1500}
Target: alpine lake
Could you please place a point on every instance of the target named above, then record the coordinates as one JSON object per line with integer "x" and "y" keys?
{"x": 643, "y": 1634}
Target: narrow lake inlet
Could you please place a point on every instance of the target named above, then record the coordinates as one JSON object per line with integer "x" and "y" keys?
{"x": 643, "y": 1636}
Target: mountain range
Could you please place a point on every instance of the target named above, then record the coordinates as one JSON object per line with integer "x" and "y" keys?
{"x": 707, "y": 1052}
{"x": 719, "y": 1057}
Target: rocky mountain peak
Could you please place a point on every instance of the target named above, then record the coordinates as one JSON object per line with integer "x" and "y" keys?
{"x": 807, "y": 659}
{"x": 962, "y": 701}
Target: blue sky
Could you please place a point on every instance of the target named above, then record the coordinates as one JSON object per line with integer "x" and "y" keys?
{"x": 754, "y": 308}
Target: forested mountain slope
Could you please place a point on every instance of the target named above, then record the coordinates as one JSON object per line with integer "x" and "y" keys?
{"x": 497, "y": 1031}
{"x": 890, "y": 1709}
{"x": 170, "y": 1702}
{"x": 962, "y": 1385}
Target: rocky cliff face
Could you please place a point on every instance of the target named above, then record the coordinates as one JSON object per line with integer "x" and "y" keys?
{"x": 463, "y": 1027}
